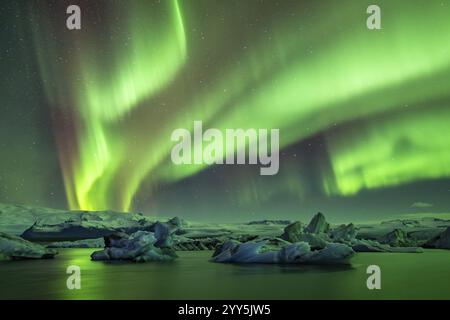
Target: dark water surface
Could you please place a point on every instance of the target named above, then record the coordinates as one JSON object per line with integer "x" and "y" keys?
{"x": 403, "y": 276}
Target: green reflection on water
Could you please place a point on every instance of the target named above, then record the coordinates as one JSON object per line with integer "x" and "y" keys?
{"x": 192, "y": 276}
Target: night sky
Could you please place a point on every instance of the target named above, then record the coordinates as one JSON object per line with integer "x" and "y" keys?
{"x": 86, "y": 115}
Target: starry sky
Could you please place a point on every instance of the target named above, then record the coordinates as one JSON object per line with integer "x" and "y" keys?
{"x": 86, "y": 115}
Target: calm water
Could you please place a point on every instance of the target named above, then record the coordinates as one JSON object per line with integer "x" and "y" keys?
{"x": 192, "y": 276}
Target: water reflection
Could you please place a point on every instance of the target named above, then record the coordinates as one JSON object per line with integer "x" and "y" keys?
{"x": 193, "y": 276}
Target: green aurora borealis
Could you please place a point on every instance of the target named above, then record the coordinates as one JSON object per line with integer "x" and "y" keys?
{"x": 363, "y": 115}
